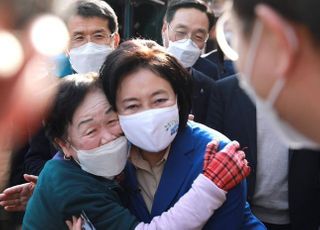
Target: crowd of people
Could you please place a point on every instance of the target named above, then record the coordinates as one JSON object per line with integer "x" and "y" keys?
{"x": 138, "y": 135}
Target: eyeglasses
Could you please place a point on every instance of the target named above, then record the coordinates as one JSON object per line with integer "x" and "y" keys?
{"x": 98, "y": 37}
{"x": 222, "y": 30}
{"x": 181, "y": 34}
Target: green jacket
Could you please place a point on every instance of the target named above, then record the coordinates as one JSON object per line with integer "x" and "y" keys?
{"x": 64, "y": 189}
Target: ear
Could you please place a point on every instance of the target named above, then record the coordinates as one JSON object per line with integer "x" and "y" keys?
{"x": 65, "y": 146}
{"x": 164, "y": 27}
{"x": 163, "y": 33}
{"x": 284, "y": 38}
{"x": 116, "y": 39}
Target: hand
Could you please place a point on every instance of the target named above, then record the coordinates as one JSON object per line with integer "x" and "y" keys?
{"x": 74, "y": 224}
{"x": 16, "y": 198}
{"x": 225, "y": 168}
{"x": 191, "y": 117}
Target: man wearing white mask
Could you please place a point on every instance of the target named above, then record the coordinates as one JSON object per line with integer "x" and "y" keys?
{"x": 276, "y": 47}
{"x": 184, "y": 34}
{"x": 93, "y": 28}
{"x": 283, "y": 188}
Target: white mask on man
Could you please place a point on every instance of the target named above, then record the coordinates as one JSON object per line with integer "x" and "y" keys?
{"x": 152, "y": 130}
{"x": 287, "y": 133}
{"x": 106, "y": 160}
{"x": 187, "y": 52}
{"x": 89, "y": 57}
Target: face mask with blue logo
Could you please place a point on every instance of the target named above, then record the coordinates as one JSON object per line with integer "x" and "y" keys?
{"x": 151, "y": 130}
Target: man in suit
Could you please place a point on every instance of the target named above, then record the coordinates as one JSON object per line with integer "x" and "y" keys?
{"x": 185, "y": 31}
{"x": 284, "y": 186}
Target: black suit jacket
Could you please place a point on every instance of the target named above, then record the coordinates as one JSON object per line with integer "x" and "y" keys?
{"x": 40, "y": 151}
{"x": 204, "y": 92}
{"x": 235, "y": 116}
{"x": 225, "y": 67}
{"x": 207, "y": 67}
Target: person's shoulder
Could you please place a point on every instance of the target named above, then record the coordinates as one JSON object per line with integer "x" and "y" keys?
{"x": 230, "y": 81}
{"x": 67, "y": 173}
{"x": 211, "y": 56}
{"x": 206, "y": 62}
{"x": 58, "y": 166}
{"x": 201, "y": 77}
{"x": 57, "y": 169}
{"x": 205, "y": 133}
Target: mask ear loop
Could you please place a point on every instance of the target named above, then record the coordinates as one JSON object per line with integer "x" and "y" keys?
{"x": 279, "y": 84}
{"x": 221, "y": 38}
{"x": 252, "y": 52}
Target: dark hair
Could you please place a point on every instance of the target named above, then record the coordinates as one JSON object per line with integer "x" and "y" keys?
{"x": 175, "y": 5}
{"x": 71, "y": 93}
{"x": 304, "y": 12}
{"x": 131, "y": 57}
{"x": 93, "y": 8}
{"x": 139, "y": 42}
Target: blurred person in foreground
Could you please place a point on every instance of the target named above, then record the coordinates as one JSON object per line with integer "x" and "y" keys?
{"x": 25, "y": 89}
{"x": 276, "y": 48}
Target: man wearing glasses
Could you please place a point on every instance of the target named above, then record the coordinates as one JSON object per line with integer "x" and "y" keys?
{"x": 184, "y": 34}
{"x": 93, "y": 29}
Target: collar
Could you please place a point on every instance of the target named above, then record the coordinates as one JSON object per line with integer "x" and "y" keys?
{"x": 138, "y": 161}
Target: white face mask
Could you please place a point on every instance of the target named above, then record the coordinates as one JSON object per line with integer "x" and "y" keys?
{"x": 107, "y": 160}
{"x": 152, "y": 130}
{"x": 187, "y": 52}
{"x": 287, "y": 133}
{"x": 89, "y": 57}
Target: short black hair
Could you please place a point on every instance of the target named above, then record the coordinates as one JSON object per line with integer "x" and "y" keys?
{"x": 200, "y": 5}
{"x": 93, "y": 8}
{"x": 133, "y": 56}
{"x": 71, "y": 93}
{"x": 304, "y": 12}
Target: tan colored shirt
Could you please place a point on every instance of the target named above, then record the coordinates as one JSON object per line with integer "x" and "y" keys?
{"x": 148, "y": 177}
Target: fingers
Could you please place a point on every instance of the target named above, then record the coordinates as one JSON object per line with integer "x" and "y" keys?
{"x": 78, "y": 224}
{"x": 190, "y": 117}
{"x": 211, "y": 149}
{"x": 13, "y": 202}
{"x": 75, "y": 224}
{"x": 69, "y": 224}
{"x": 228, "y": 167}
{"x": 19, "y": 208}
{"x": 10, "y": 202}
{"x": 30, "y": 178}
{"x": 5, "y": 197}
{"x": 14, "y": 190}
{"x": 231, "y": 147}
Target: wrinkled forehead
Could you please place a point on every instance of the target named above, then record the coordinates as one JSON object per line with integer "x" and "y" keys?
{"x": 87, "y": 25}
{"x": 190, "y": 18}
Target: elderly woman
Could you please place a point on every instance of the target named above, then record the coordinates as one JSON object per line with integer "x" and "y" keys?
{"x": 86, "y": 129}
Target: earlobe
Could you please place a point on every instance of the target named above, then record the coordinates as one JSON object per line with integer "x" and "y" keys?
{"x": 65, "y": 146}
{"x": 284, "y": 38}
{"x": 163, "y": 33}
{"x": 164, "y": 27}
{"x": 116, "y": 40}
